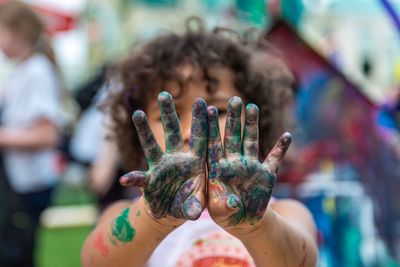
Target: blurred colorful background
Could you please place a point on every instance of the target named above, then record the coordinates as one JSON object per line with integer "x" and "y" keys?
{"x": 345, "y": 163}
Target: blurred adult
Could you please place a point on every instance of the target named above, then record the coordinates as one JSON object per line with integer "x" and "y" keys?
{"x": 31, "y": 119}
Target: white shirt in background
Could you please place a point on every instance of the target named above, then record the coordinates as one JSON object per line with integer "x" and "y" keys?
{"x": 30, "y": 93}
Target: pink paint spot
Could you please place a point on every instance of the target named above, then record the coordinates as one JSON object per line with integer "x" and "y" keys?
{"x": 100, "y": 245}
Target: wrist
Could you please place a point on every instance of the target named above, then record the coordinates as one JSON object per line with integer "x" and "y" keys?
{"x": 162, "y": 225}
{"x": 266, "y": 224}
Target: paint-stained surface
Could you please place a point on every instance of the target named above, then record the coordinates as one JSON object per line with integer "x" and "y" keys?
{"x": 338, "y": 137}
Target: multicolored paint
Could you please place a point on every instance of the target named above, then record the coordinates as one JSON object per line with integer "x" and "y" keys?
{"x": 172, "y": 130}
{"x": 199, "y": 128}
{"x": 232, "y": 138}
{"x": 337, "y": 127}
{"x": 215, "y": 152}
{"x": 239, "y": 177}
{"x": 216, "y": 190}
{"x": 174, "y": 176}
{"x": 250, "y": 134}
{"x": 151, "y": 148}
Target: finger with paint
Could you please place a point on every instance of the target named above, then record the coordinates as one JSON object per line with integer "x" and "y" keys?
{"x": 232, "y": 138}
{"x": 276, "y": 155}
{"x": 174, "y": 185}
{"x": 239, "y": 186}
{"x": 170, "y": 121}
{"x": 250, "y": 132}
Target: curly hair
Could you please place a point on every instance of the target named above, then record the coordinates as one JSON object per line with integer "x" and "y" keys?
{"x": 260, "y": 77}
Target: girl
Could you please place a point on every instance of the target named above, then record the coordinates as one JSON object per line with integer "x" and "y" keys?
{"x": 31, "y": 101}
{"x": 205, "y": 203}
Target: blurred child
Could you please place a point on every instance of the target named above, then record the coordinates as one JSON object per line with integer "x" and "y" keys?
{"x": 205, "y": 202}
{"x": 93, "y": 150}
{"x": 31, "y": 117}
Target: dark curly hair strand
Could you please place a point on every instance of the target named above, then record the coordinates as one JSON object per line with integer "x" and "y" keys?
{"x": 260, "y": 76}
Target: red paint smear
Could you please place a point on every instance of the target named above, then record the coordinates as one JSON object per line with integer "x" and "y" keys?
{"x": 100, "y": 245}
{"x": 220, "y": 261}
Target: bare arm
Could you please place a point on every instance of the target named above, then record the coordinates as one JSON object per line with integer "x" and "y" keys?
{"x": 43, "y": 134}
{"x": 125, "y": 236}
{"x": 240, "y": 188}
{"x": 283, "y": 239}
{"x": 104, "y": 169}
{"x": 173, "y": 191}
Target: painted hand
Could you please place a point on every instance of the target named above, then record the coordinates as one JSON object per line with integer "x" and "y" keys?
{"x": 174, "y": 185}
{"x": 239, "y": 186}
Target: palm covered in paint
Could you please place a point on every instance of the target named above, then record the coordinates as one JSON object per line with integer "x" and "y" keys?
{"x": 174, "y": 185}
{"x": 239, "y": 186}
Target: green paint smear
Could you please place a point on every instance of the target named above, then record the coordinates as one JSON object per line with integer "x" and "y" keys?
{"x": 122, "y": 228}
{"x": 138, "y": 213}
{"x": 233, "y": 203}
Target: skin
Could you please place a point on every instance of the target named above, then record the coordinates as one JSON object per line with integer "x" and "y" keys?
{"x": 174, "y": 184}
{"x": 13, "y": 45}
{"x": 238, "y": 186}
{"x": 244, "y": 185}
{"x": 43, "y": 133}
{"x": 104, "y": 168}
{"x": 122, "y": 228}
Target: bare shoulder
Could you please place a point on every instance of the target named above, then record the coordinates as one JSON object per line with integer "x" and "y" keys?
{"x": 295, "y": 212}
{"x": 114, "y": 209}
{"x": 289, "y": 205}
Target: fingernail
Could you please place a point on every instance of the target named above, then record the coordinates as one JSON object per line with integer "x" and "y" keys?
{"x": 192, "y": 208}
{"x": 199, "y": 108}
{"x": 233, "y": 202}
{"x": 123, "y": 180}
{"x": 212, "y": 111}
{"x": 138, "y": 116}
{"x": 252, "y": 113}
{"x": 287, "y": 139}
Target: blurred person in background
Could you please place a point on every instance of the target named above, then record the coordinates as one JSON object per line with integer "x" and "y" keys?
{"x": 31, "y": 120}
{"x": 91, "y": 147}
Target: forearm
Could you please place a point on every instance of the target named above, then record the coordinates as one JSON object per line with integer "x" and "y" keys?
{"x": 104, "y": 168}
{"x": 40, "y": 136}
{"x": 276, "y": 241}
{"x": 127, "y": 239}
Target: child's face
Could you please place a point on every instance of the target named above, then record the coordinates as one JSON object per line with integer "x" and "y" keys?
{"x": 184, "y": 101}
{"x": 11, "y": 45}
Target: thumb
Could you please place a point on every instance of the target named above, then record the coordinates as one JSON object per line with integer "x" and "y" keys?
{"x": 192, "y": 208}
{"x": 221, "y": 202}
